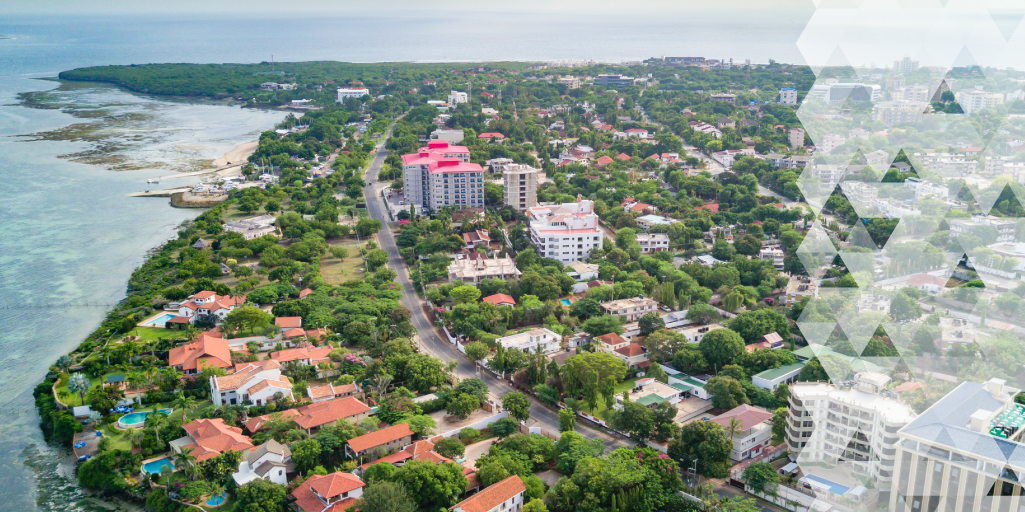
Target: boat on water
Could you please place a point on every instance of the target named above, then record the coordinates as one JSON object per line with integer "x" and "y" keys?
{"x": 153, "y": 180}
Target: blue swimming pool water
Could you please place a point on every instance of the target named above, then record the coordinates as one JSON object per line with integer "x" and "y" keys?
{"x": 160, "y": 320}
{"x": 565, "y": 302}
{"x": 836, "y": 488}
{"x": 215, "y": 500}
{"x": 154, "y": 467}
{"x": 136, "y": 419}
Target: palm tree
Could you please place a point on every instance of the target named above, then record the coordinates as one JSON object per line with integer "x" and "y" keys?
{"x": 137, "y": 380}
{"x": 187, "y": 462}
{"x": 185, "y": 403}
{"x": 79, "y": 384}
{"x": 381, "y": 382}
{"x": 155, "y": 421}
{"x": 63, "y": 394}
{"x": 734, "y": 428}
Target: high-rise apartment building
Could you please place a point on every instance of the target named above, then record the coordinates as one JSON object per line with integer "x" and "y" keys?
{"x": 565, "y": 232}
{"x": 520, "y": 186}
{"x": 441, "y": 174}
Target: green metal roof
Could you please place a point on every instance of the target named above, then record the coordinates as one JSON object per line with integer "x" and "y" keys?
{"x": 650, "y": 399}
{"x": 804, "y": 353}
{"x": 681, "y": 387}
{"x": 776, "y": 373}
{"x": 694, "y": 383}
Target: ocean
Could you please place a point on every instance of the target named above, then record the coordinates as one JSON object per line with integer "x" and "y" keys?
{"x": 69, "y": 154}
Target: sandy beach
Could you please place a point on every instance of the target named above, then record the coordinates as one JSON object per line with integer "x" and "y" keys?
{"x": 237, "y": 157}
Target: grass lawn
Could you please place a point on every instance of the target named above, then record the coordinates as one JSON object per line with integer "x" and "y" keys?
{"x": 73, "y": 399}
{"x": 117, "y": 442}
{"x": 626, "y": 385}
{"x": 150, "y": 334}
{"x": 336, "y": 271}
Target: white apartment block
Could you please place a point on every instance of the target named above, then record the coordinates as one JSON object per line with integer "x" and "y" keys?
{"x": 456, "y": 97}
{"x": 788, "y": 96}
{"x": 570, "y": 82}
{"x": 653, "y": 242}
{"x": 473, "y": 271}
{"x": 630, "y": 309}
{"x": 905, "y": 66}
{"x": 520, "y": 186}
{"x": 531, "y": 340}
{"x": 963, "y": 454}
{"x": 1005, "y": 227}
{"x": 441, "y": 174}
{"x": 923, "y": 188}
{"x": 565, "y": 232}
{"x": 345, "y": 93}
{"x": 854, "y": 423}
{"x": 978, "y": 99}
{"x": 900, "y": 111}
{"x": 950, "y": 165}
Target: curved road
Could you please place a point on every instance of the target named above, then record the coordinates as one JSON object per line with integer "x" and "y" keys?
{"x": 430, "y": 341}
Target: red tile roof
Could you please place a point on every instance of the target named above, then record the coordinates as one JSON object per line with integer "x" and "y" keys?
{"x": 491, "y": 135}
{"x": 493, "y": 496}
{"x": 924, "y": 279}
{"x": 313, "y": 355}
{"x": 329, "y": 411}
{"x": 288, "y": 322}
{"x": 611, "y": 339}
{"x": 212, "y": 437}
{"x": 605, "y": 159}
{"x": 329, "y": 486}
{"x": 631, "y": 350}
{"x": 623, "y": 156}
{"x": 383, "y": 436}
{"x": 908, "y": 386}
{"x": 748, "y": 415}
{"x": 255, "y": 424}
{"x": 499, "y": 298}
{"x": 712, "y": 207}
{"x": 304, "y": 293}
{"x": 205, "y": 351}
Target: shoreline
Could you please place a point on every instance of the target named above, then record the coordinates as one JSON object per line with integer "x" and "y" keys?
{"x": 236, "y": 157}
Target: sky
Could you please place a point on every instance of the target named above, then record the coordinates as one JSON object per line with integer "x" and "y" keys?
{"x": 342, "y": 6}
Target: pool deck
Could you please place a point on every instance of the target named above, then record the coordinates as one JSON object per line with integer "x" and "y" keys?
{"x": 92, "y": 443}
{"x": 146, "y": 322}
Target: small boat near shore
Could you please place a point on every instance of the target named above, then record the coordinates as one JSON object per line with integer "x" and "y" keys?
{"x": 153, "y": 180}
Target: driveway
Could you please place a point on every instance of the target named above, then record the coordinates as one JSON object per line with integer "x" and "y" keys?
{"x": 430, "y": 341}
{"x": 476, "y": 451}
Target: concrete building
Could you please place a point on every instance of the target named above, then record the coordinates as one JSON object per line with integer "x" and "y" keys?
{"x": 830, "y": 142}
{"x": 520, "y": 186}
{"x": 788, "y": 96}
{"x": 450, "y": 136}
{"x": 1004, "y": 227}
{"x": 441, "y": 175}
{"x": 253, "y": 227}
{"x": 473, "y": 271}
{"x": 646, "y": 222}
{"x": 565, "y": 232}
{"x": 905, "y": 66}
{"x": 900, "y": 111}
{"x": 258, "y": 383}
{"x": 963, "y": 454}
{"x": 855, "y": 423}
{"x": 796, "y": 136}
{"x": 770, "y": 379}
{"x": 457, "y": 97}
{"x": 773, "y": 254}
{"x": 584, "y": 271}
{"x": 613, "y": 80}
{"x": 755, "y": 433}
{"x": 696, "y": 332}
{"x": 978, "y": 99}
{"x": 570, "y": 82}
{"x": 872, "y": 303}
{"x": 799, "y": 287}
{"x": 653, "y": 242}
{"x": 531, "y": 340}
{"x": 724, "y": 97}
{"x": 630, "y": 309}
{"x": 345, "y": 93}
{"x": 650, "y": 392}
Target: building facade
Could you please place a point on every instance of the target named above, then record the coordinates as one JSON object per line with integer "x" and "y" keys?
{"x": 441, "y": 174}
{"x": 565, "y": 232}
{"x": 520, "y": 186}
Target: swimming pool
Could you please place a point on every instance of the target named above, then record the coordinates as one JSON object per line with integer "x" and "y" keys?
{"x": 159, "y": 321}
{"x": 136, "y": 419}
{"x": 565, "y": 302}
{"x": 833, "y": 487}
{"x": 154, "y": 467}
{"x": 216, "y": 501}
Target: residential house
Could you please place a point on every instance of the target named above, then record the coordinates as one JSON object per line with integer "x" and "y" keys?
{"x": 206, "y": 304}
{"x": 473, "y": 271}
{"x": 377, "y": 444}
{"x": 786, "y": 374}
{"x": 500, "y": 299}
{"x": 208, "y": 438}
{"x": 695, "y": 333}
{"x": 650, "y": 392}
{"x": 653, "y": 242}
{"x": 646, "y": 222}
{"x": 630, "y": 309}
{"x": 328, "y": 391}
{"x": 755, "y": 430}
{"x": 467, "y": 216}
{"x": 258, "y": 383}
{"x": 311, "y": 417}
{"x": 583, "y": 271}
{"x": 504, "y": 496}
{"x": 419, "y": 450}
{"x": 611, "y": 342}
{"x": 771, "y": 341}
{"x": 329, "y": 493}
{"x": 773, "y": 254}
{"x": 927, "y": 283}
{"x": 305, "y": 354}
{"x": 476, "y": 238}
{"x": 799, "y": 287}
{"x": 289, "y": 322}
{"x": 271, "y": 461}
{"x": 206, "y": 351}
{"x": 634, "y": 355}
{"x": 531, "y": 340}
{"x": 253, "y": 227}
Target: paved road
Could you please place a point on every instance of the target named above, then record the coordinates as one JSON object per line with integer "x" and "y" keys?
{"x": 430, "y": 340}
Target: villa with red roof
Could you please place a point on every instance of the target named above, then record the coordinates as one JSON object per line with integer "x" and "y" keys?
{"x": 633, "y": 355}
{"x": 611, "y": 342}
{"x": 206, "y": 351}
{"x": 712, "y": 207}
{"x": 506, "y": 495}
{"x": 623, "y": 156}
{"x": 328, "y": 391}
{"x": 377, "y": 444}
{"x": 305, "y": 293}
{"x": 207, "y": 304}
{"x": 328, "y": 493}
{"x": 419, "y": 450}
{"x": 208, "y": 438}
{"x": 312, "y": 417}
{"x": 605, "y": 160}
{"x": 491, "y": 136}
{"x": 305, "y": 354}
{"x": 500, "y": 299}
{"x": 440, "y": 175}
{"x": 259, "y": 383}
{"x": 288, "y": 322}
{"x": 476, "y": 238}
